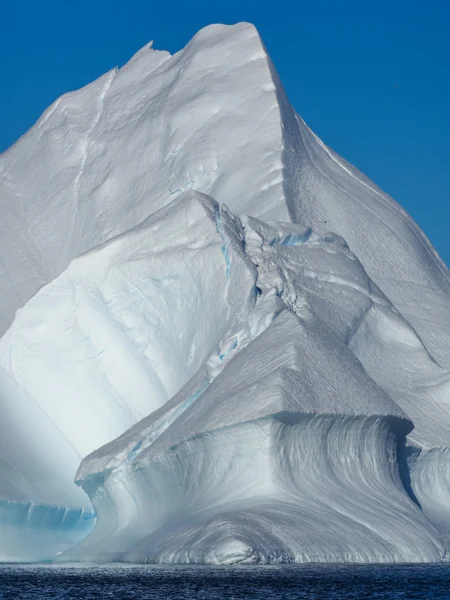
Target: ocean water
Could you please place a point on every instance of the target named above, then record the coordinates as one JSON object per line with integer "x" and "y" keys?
{"x": 318, "y": 582}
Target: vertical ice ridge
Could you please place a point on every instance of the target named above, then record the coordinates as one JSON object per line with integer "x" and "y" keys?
{"x": 85, "y": 155}
{"x": 221, "y": 232}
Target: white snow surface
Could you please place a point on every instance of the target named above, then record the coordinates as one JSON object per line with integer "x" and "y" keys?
{"x": 233, "y": 341}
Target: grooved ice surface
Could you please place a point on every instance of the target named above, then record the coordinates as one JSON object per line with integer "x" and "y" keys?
{"x": 234, "y": 343}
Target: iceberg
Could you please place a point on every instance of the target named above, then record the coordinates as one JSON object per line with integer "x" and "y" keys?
{"x": 221, "y": 343}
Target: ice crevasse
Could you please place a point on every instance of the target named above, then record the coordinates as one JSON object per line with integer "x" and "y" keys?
{"x": 221, "y": 343}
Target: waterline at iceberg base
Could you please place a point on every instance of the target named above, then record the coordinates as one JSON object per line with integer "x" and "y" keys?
{"x": 221, "y": 343}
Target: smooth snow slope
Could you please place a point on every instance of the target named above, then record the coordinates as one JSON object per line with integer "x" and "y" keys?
{"x": 234, "y": 331}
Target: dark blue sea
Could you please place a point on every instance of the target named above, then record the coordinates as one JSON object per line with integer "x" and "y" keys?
{"x": 428, "y": 582}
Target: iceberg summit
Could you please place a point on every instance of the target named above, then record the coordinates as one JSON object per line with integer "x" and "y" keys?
{"x": 220, "y": 342}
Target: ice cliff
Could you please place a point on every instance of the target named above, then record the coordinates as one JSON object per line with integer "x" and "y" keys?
{"x": 221, "y": 342}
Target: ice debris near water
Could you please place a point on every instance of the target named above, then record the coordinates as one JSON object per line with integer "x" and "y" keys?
{"x": 221, "y": 342}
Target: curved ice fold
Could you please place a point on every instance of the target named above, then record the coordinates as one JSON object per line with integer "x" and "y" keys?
{"x": 430, "y": 481}
{"x": 227, "y": 334}
{"x": 287, "y": 488}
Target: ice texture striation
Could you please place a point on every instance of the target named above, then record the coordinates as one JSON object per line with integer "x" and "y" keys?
{"x": 221, "y": 342}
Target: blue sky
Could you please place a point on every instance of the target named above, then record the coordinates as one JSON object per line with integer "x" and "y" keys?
{"x": 372, "y": 78}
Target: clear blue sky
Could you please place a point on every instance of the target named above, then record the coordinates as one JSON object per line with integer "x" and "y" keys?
{"x": 371, "y": 77}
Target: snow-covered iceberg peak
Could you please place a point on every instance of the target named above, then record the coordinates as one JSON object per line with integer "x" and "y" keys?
{"x": 233, "y": 342}
{"x": 102, "y": 159}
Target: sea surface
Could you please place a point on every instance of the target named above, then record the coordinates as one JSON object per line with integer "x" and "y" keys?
{"x": 318, "y": 582}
